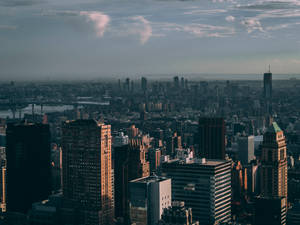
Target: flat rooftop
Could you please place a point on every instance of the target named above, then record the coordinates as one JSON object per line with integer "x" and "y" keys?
{"x": 200, "y": 161}
{"x": 149, "y": 179}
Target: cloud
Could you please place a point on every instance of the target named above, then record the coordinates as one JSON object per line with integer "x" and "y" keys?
{"x": 230, "y": 18}
{"x": 141, "y": 27}
{"x": 205, "y": 11}
{"x": 198, "y": 30}
{"x": 252, "y": 24}
{"x": 15, "y": 3}
{"x": 99, "y": 19}
{"x": 271, "y": 5}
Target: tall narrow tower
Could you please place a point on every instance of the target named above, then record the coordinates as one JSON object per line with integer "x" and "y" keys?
{"x": 268, "y": 90}
{"x": 87, "y": 174}
{"x": 274, "y": 163}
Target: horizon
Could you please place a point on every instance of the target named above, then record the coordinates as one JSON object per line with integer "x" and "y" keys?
{"x": 43, "y": 39}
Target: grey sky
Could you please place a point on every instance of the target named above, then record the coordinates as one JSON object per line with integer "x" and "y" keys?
{"x": 92, "y": 38}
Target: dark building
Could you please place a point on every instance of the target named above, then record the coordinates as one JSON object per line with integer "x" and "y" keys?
{"x": 176, "y": 82}
{"x": 211, "y": 138}
{"x": 28, "y": 165}
{"x": 121, "y": 161}
{"x": 294, "y": 214}
{"x": 268, "y": 92}
{"x": 144, "y": 84}
{"x": 268, "y": 85}
{"x": 270, "y": 211}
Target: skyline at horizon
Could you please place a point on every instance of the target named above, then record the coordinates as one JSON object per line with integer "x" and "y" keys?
{"x": 59, "y": 40}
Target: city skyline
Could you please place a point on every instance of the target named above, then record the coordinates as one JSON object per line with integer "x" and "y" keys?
{"x": 95, "y": 39}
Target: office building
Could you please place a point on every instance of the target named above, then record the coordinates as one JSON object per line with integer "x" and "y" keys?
{"x": 204, "y": 185}
{"x": 245, "y": 149}
{"x": 274, "y": 163}
{"x": 270, "y": 210}
{"x": 211, "y": 138}
{"x": 87, "y": 167}
{"x": 28, "y": 165}
{"x": 148, "y": 198}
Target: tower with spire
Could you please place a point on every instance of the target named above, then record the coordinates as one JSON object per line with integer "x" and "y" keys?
{"x": 274, "y": 163}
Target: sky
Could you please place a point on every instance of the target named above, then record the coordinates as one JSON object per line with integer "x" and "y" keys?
{"x": 83, "y": 39}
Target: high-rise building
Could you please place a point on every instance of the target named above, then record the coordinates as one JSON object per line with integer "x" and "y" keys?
{"x": 28, "y": 165}
{"x": 129, "y": 163}
{"x": 268, "y": 85}
{"x": 274, "y": 163}
{"x": 121, "y": 170}
{"x": 270, "y": 210}
{"x": 268, "y": 92}
{"x": 154, "y": 158}
{"x": 87, "y": 167}
{"x": 211, "y": 138}
{"x": 148, "y": 198}
{"x": 176, "y": 82}
{"x": 245, "y": 149}
{"x": 144, "y": 84}
{"x": 204, "y": 185}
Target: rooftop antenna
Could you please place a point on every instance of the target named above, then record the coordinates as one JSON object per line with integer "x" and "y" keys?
{"x": 269, "y": 68}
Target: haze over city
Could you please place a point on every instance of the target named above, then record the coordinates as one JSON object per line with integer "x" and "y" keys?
{"x": 90, "y": 39}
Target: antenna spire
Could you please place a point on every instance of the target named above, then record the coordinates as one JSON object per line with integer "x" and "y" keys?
{"x": 269, "y": 68}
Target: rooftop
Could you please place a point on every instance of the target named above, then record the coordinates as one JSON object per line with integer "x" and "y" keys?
{"x": 200, "y": 161}
{"x": 274, "y": 128}
{"x": 150, "y": 179}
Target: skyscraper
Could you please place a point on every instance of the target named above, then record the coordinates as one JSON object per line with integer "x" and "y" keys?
{"x": 274, "y": 163}
{"x": 121, "y": 168}
{"x": 148, "y": 198}
{"x": 268, "y": 85}
{"x": 246, "y": 149}
{"x": 268, "y": 92}
{"x": 86, "y": 161}
{"x": 144, "y": 84}
{"x": 129, "y": 163}
{"x": 211, "y": 138}
{"x": 204, "y": 185}
{"x": 28, "y": 165}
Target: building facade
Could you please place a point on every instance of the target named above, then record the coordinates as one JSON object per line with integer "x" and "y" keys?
{"x": 246, "y": 149}
{"x": 86, "y": 162}
{"x": 148, "y": 198}
{"x": 211, "y": 138}
{"x": 204, "y": 185}
{"x": 274, "y": 163}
